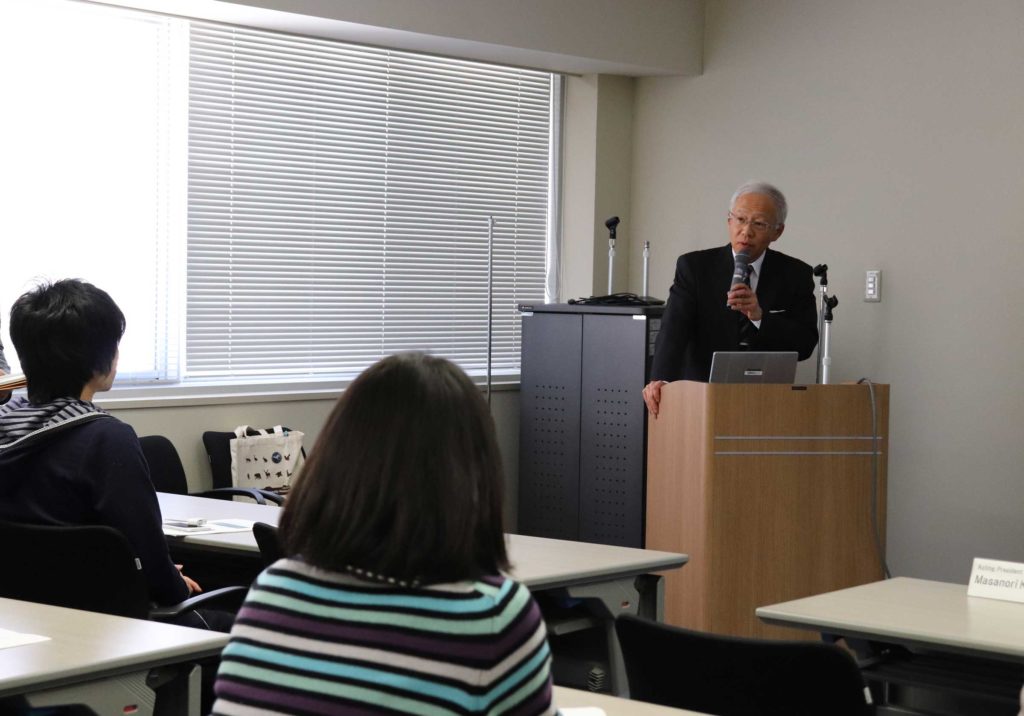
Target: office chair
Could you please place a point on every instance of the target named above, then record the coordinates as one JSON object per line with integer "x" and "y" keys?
{"x": 168, "y": 474}
{"x": 733, "y": 676}
{"x": 267, "y": 541}
{"x": 90, "y": 567}
{"x": 218, "y": 451}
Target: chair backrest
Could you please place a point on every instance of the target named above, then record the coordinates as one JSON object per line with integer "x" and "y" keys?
{"x": 82, "y": 567}
{"x": 733, "y": 676}
{"x": 267, "y": 541}
{"x": 218, "y": 450}
{"x": 165, "y": 468}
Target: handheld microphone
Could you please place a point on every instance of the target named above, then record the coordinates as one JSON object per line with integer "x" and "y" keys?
{"x": 739, "y": 270}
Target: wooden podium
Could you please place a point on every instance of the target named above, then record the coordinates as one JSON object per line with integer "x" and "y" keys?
{"x": 768, "y": 488}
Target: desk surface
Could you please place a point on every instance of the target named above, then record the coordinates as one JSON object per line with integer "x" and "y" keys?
{"x": 86, "y": 645}
{"x": 613, "y": 705}
{"x": 536, "y": 561}
{"x": 913, "y": 612}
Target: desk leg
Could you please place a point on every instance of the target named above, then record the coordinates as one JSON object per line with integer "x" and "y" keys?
{"x": 642, "y": 595}
{"x": 182, "y": 694}
{"x": 918, "y": 681}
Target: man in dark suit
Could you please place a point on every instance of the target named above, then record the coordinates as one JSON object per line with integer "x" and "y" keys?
{"x": 706, "y": 313}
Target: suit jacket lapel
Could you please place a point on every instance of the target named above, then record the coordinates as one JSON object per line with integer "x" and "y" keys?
{"x": 768, "y": 281}
{"x": 723, "y": 272}
{"x": 728, "y": 325}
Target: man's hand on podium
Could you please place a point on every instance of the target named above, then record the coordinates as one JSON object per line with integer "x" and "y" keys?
{"x": 652, "y": 396}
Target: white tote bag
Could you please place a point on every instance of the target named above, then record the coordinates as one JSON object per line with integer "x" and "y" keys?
{"x": 266, "y": 459}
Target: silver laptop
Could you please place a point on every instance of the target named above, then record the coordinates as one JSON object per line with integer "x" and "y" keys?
{"x": 753, "y": 367}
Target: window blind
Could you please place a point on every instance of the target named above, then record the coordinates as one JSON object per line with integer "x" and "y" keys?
{"x": 338, "y": 204}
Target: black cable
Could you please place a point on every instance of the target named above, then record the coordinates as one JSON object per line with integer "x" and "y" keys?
{"x": 616, "y": 299}
{"x": 875, "y": 478}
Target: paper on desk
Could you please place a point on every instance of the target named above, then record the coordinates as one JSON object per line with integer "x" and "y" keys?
{"x": 582, "y": 711}
{"x": 14, "y": 638}
{"x": 210, "y": 527}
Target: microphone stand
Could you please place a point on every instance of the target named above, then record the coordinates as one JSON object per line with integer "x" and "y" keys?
{"x": 821, "y": 270}
{"x": 490, "y": 301}
{"x": 611, "y": 262}
{"x": 825, "y": 325}
{"x": 647, "y": 268}
{"x": 826, "y": 344}
{"x": 611, "y": 224}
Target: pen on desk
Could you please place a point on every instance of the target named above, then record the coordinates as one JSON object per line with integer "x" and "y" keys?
{"x": 174, "y": 531}
{"x": 184, "y": 521}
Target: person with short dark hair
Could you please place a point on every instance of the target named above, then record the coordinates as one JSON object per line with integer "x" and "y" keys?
{"x": 63, "y": 460}
{"x": 392, "y": 597}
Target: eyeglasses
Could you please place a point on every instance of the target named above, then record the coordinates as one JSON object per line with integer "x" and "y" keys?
{"x": 754, "y": 224}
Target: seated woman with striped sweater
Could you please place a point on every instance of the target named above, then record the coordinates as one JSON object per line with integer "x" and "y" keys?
{"x": 392, "y": 599}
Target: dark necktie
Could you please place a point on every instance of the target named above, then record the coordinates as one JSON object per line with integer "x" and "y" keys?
{"x": 748, "y": 331}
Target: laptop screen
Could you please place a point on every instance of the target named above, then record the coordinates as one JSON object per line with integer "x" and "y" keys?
{"x": 753, "y": 367}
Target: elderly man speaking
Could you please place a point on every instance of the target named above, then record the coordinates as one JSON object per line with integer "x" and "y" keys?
{"x": 771, "y": 308}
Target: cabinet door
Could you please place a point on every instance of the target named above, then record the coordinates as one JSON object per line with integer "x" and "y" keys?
{"x": 549, "y": 425}
{"x": 612, "y": 430}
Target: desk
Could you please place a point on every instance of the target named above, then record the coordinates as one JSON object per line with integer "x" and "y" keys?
{"x": 613, "y": 705}
{"x": 101, "y": 659}
{"x": 538, "y": 562}
{"x": 617, "y": 578}
{"x": 928, "y": 618}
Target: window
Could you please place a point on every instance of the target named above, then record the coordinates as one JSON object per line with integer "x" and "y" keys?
{"x": 85, "y": 142}
{"x": 334, "y": 206}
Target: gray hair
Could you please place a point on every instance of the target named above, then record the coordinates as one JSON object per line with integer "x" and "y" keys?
{"x": 760, "y": 187}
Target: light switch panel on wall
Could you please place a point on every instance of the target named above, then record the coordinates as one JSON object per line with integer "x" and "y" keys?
{"x": 873, "y": 285}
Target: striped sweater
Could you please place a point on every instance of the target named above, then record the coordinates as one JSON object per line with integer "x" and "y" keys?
{"x": 308, "y": 641}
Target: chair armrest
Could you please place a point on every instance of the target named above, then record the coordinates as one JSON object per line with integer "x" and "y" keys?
{"x": 224, "y": 492}
{"x": 230, "y": 596}
{"x": 272, "y": 496}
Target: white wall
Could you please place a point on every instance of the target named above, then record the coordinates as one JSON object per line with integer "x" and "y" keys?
{"x": 659, "y": 35}
{"x": 597, "y": 156}
{"x": 578, "y": 36}
{"x": 614, "y": 175}
{"x": 895, "y": 128}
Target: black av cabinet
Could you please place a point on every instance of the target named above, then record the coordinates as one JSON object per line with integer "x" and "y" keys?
{"x": 582, "y": 454}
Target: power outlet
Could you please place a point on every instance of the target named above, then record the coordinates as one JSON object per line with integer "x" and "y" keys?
{"x": 873, "y": 285}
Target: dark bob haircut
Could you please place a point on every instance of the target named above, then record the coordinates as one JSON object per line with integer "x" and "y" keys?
{"x": 404, "y": 480}
{"x": 65, "y": 333}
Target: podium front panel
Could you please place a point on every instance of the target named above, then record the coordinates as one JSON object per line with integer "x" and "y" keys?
{"x": 775, "y": 492}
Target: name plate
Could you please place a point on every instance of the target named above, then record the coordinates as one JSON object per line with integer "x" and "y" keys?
{"x": 993, "y": 579}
